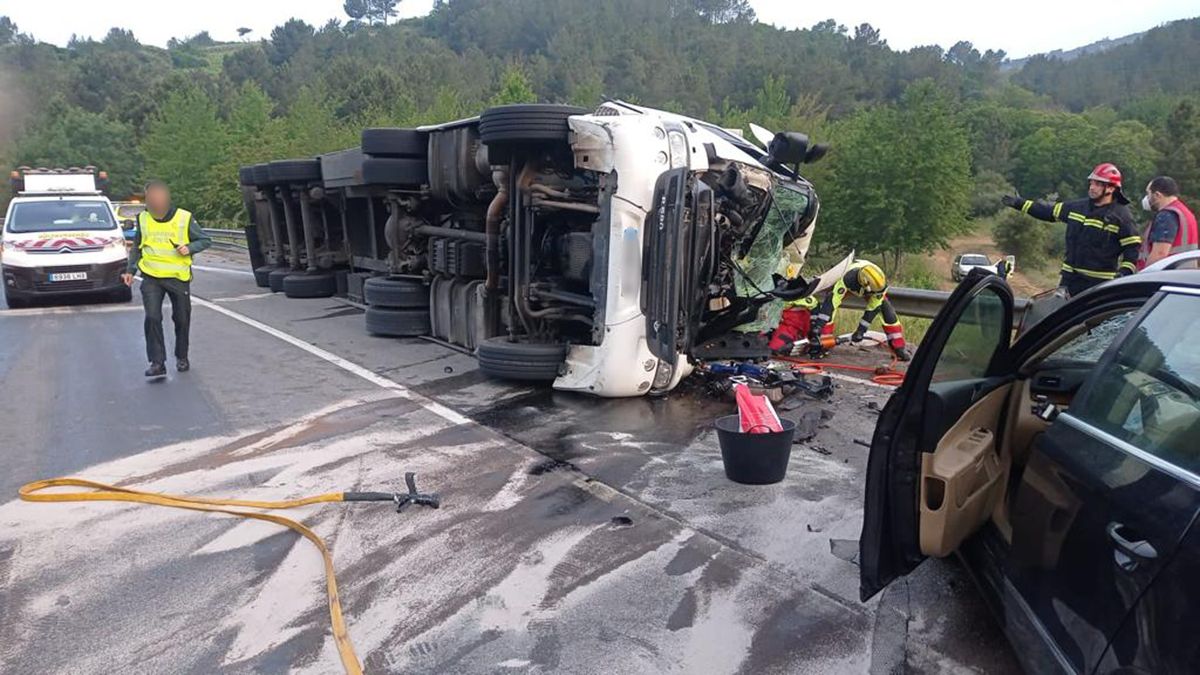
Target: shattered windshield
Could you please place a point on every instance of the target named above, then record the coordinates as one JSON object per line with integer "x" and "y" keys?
{"x": 783, "y": 223}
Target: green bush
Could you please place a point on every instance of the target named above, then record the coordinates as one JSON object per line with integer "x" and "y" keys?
{"x": 986, "y": 190}
{"x": 1022, "y": 236}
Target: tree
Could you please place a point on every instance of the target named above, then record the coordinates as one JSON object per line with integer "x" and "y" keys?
{"x": 370, "y": 12}
{"x": 65, "y": 135}
{"x": 514, "y": 88}
{"x": 288, "y": 39}
{"x": 1179, "y": 143}
{"x": 10, "y": 35}
{"x": 357, "y": 10}
{"x": 898, "y": 179}
{"x": 184, "y": 140}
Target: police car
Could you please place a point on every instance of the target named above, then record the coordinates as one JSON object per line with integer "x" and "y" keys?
{"x": 61, "y": 237}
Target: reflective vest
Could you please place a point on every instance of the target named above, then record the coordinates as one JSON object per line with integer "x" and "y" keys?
{"x": 1186, "y": 238}
{"x": 159, "y": 241}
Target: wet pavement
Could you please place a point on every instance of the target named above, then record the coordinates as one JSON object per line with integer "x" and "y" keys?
{"x": 577, "y": 535}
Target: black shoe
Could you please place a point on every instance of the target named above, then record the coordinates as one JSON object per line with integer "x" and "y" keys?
{"x": 156, "y": 370}
{"x": 182, "y": 365}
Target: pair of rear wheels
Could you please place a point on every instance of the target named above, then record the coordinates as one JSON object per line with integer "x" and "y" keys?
{"x": 296, "y": 284}
{"x": 397, "y": 306}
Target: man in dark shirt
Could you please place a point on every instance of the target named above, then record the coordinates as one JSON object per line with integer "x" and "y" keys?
{"x": 1173, "y": 229}
{"x": 167, "y": 238}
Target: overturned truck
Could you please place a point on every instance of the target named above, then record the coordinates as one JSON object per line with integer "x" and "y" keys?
{"x": 603, "y": 251}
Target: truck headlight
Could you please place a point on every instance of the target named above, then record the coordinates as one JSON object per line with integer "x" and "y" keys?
{"x": 663, "y": 376}
{"x": 678, "y": 146}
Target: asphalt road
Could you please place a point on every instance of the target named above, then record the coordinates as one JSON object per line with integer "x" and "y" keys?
{"x": 577, "y": 535}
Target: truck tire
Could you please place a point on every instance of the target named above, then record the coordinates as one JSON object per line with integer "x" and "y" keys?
{"x": 305, "y": 285}
{"x": 262, "y": 276}
{"x": 275, "y": 278}
{"x": 261, "y": 174}
{"x": 295, "y": 170}
{"x": 521, "y": 361}
{"x": 509, "y": 125}
{"x": 399, "y": 171}
{"x": 392, "y": 322}
{"x": 390, "y": 142}
{"x": 396, "y": 292}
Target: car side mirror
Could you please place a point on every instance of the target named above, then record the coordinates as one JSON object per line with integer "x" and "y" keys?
{"x": 816, "y": 152}
{"x": 128, "y": 224}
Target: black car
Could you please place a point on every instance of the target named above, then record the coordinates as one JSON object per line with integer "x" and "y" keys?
{"x": 1063, "y": 468}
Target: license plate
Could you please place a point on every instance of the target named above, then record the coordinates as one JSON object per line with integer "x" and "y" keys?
{"x": 69, "y": 276}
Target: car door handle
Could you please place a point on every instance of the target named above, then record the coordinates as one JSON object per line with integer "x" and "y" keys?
{"x": 1129, "y": 554}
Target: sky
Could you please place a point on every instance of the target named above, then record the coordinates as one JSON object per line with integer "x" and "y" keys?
{"x": 1019, "y": 27}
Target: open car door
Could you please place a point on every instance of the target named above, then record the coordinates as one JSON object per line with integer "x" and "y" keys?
{"x": 933, "y": 473}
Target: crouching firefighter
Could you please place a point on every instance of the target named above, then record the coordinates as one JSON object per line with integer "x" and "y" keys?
{"x": 814, "y": 317}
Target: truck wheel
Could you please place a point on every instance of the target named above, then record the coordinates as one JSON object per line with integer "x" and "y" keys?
{"x": 523, "y": 361}
{"x": 304, "y": 285}
{"x": 261, "y": 174}
{"x": 275, "y": 278}
{"x": 392, "y": 322}
{"x": 388, "y": 142}
{"x": 294, "y": 170}
{"x": 262, "y": 275}
{"x": 396, "y": 292}
{"x": 506, "y": 127}
{"x": 399, "y": 171}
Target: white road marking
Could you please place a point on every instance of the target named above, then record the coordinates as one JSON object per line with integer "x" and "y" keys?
{"x": 224, "y": 270}
{"x": 348, "y": 366}
{"x": 72, "y": 309}
{"x": 247, "y": 296}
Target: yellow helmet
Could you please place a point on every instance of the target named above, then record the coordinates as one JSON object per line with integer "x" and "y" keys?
{"x": 871, "y": 278}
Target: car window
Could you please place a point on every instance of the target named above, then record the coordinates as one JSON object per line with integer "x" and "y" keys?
{"x": 1149, "y": 396}
{"x": 1086, "y": 348}
{"x": 974, "y": 340}
{"x": 975, "y": 260}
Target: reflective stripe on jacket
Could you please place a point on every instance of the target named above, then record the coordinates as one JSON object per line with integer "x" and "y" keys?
{"x": 159, "y": 241}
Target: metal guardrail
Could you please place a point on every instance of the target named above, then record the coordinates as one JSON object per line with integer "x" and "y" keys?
{"x": 229, "y": 239}
{"x": 914, "y": 302}
{"x": 925, "y": 304}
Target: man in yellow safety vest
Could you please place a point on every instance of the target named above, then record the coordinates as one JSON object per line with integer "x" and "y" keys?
{"x": 167, "y": 238}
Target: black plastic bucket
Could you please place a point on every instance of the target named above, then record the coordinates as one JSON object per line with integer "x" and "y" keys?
{"x": 754, "y": 459}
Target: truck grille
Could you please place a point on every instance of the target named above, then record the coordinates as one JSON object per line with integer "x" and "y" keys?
{"x": 68, "y": 268}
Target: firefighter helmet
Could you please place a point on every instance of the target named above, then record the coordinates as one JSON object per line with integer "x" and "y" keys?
{"x": 871, "y": 278}
{"x": 1106, "y": 173}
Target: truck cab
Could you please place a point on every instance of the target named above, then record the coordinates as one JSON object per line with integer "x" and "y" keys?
{"x": 61, "y": 238}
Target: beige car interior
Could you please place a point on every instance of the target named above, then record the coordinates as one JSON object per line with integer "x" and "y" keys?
{"x": 965, "y": 479}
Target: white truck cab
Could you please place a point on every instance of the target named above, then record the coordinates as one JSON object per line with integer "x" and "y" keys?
{"x": 61, "y": 237}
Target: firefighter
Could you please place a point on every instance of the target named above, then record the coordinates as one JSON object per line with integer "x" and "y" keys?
{"x": 1173, "y": 229}
{"x": 815, "y": 317}
{"x": 1102, "y": 243}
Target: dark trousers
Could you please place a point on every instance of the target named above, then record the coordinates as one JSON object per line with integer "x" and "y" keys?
{"x": 153, "y": 290}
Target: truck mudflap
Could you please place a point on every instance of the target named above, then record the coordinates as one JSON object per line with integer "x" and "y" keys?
{"x": 677, "y": 232}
